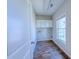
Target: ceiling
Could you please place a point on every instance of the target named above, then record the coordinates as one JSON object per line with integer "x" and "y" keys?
{"x": 46, "y": 7}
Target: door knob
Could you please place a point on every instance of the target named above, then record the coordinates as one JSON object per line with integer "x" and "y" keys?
{"x": 32, "y": 42}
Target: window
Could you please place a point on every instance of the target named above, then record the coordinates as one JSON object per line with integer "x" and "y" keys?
{"x": 61, "y": 29}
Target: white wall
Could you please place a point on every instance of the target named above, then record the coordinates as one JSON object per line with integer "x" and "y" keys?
{"x": 64, "y": 10}
{"x": 20, "y": 29}
{"x": 43, "y": 27}
{"x": 44, "y": 34}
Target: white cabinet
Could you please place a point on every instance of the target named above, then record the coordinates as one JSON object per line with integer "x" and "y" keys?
{"x": 43, "y": 23}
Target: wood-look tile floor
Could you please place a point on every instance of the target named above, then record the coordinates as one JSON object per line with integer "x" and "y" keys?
{"x": 47, "y": 50}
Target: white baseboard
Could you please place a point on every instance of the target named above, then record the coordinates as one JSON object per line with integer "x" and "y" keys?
{"x": 43, "y": 39}
{"x": 62, "y": 48}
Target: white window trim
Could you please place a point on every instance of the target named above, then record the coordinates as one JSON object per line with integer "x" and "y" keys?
{"x": 63, "y": 41}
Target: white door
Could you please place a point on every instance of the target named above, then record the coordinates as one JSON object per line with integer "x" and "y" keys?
{"x": 19, "y": 33}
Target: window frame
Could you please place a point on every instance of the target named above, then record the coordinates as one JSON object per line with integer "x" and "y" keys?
{"x": 58, "y": 29}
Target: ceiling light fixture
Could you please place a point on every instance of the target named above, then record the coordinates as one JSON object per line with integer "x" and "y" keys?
{"x": 51, "y": 5}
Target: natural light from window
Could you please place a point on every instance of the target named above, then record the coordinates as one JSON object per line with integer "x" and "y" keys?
{"x": 61, "y": 29}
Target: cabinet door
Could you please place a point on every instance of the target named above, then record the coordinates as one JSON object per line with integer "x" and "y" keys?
{"x": 43, "y": 23}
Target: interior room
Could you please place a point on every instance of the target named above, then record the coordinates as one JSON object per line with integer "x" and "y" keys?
{"x": 39, "y": 29}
